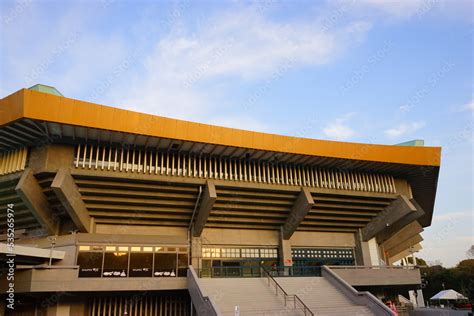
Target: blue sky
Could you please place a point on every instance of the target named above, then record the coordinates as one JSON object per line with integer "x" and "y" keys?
{"x": 365, "y": 70}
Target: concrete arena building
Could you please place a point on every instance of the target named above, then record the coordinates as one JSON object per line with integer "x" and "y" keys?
{"x": 123, "y": 213}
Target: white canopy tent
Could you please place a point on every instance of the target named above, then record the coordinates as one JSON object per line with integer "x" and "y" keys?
{"x": 448, "y": 295}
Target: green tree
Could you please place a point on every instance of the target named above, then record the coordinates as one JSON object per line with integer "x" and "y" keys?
{"x": 460, "y": 278}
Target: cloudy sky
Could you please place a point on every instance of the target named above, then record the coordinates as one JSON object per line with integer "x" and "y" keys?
{"x": 356, "y": 70}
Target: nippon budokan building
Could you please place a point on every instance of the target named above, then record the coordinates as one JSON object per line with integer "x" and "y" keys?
{"x": 106, "y": 211}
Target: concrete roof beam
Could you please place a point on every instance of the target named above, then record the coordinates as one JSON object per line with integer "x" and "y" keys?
{"x": 207, "y": 202}
{"x": 33, "y": 197}
{"x": 68, "y": 194}
{"x": 300, "y": 209}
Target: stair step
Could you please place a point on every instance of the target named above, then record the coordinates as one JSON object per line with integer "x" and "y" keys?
{"x": 255, "y": 297}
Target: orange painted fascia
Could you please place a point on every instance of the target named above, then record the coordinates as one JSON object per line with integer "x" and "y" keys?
{"x": 11, "y": 107}
{"x": 46, "y": 107}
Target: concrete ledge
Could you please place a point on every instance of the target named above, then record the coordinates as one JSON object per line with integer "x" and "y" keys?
{"x": 32, "y": 252}
{"x": 368, "y": 276}
{"x": 66, "y": 280}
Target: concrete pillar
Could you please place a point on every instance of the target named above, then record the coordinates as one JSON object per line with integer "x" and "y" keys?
{"x": 196, "y": 252}
{"x": 60, "y": 309}
{"x": 78, "y": 308}
{"x": 286, "y": 257}
{"x": 285, "y": 254}
{"x": 362, "y": 250}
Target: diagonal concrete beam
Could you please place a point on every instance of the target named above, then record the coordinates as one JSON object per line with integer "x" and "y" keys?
{"x": 32, "y": 195}
{"x": 68, "y": 194}
{"x": 404, "y": 245}
{"x": 208, "y": 199}
{"x": 405, "y": 253}
{"x": 398, "y": 209}
{"x": 397, "y": 226}
{"x": 302, "y": 206}
{"x": 406, "y": 232}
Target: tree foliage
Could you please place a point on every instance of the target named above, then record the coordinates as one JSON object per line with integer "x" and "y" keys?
{"x": 460, "y": 278}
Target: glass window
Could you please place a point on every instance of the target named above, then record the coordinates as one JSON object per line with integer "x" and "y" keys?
{"x": 115, "y": 264}
{"x": 141, "y": 264}
{"x": 165, "y": 265}
{"x": 90, "y": 264}
{"x": 182, "y": 264}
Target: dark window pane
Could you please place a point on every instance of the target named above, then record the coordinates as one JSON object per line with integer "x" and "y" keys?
{"x": 115, "y": 264}
{"x": 90, "y": 264}
{"x": 165, "y": 265}
{"x": 141, "y": 264}
{"x": 182, "y": 264}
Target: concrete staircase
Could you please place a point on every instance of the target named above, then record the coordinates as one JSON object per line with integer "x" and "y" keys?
{"x": 322, "y": 297}
{"x": 252, "y": 295}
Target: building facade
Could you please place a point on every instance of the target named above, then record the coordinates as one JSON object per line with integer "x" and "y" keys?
{"x": 110, "y": 207}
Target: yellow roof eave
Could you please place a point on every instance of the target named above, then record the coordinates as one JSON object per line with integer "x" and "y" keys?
{"x": 46, "y": 107}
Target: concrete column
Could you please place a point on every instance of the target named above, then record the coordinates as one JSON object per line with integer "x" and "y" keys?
{"x": 78, "y": 307}
{"x": 196, "y": 252}
{"x": 59, "y": 309}
{"x": 362, "y": 251}
{"x": 285, "y": 253}
{"x": 286, "y": 257}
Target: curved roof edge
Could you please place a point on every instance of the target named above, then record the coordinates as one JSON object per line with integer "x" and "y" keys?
{"x": 51, "y": 108}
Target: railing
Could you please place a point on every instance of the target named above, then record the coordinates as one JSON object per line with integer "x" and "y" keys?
{"x": 256, "y": 271}
{"x": 361, "y": 298}
{"x": 297, "y": 302}
{"x": 204, "y": 305}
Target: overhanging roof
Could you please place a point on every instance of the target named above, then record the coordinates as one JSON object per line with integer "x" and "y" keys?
{"x": 30, "y": 117}
{"x": 28, "y": 104}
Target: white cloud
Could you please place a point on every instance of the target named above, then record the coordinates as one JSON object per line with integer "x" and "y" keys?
{"x": 469, "y": 106}
{"x": 339, "y": 129}
{"x": 404, "y": 129}
{"x": 241, "y": 44}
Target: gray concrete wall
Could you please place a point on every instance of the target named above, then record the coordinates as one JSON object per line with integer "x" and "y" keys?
{"x": 379, "y": 276}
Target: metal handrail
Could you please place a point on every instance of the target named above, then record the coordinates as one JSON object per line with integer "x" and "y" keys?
{"x": 295, "y": 297}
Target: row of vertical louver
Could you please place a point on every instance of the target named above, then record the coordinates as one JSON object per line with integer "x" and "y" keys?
{"x": 219, "y": 168}
{"x": 13, "y": 161}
